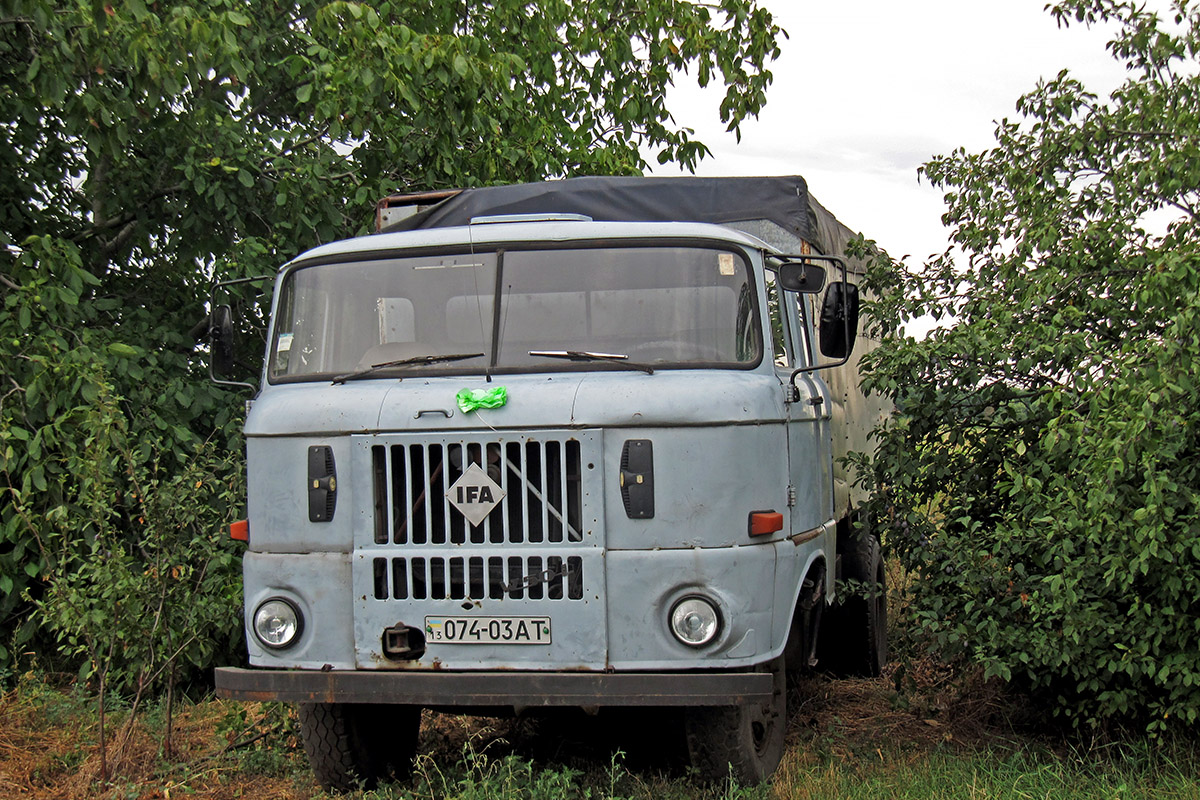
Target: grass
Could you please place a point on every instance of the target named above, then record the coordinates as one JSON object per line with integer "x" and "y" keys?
{"x": 1020, "y": 776}
{"x": 942, "y": 735}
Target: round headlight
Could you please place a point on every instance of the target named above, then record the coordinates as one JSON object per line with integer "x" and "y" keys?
{"x": 695, "y": 621}
{"x": 277, "y": 623}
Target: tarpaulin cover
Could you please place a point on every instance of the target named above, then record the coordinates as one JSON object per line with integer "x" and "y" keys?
{"x": 782, "y": 200}
{"x": 630, "y": 199}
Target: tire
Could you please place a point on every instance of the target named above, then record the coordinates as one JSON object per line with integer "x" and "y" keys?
{"x": 800, "y": 654}
{"x": 352, "y": 745}
{"x": 853, "y": 638}
{"x": 743, "y": 742}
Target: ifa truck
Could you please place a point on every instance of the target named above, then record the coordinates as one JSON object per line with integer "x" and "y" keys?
{"x": 577, "y": 443}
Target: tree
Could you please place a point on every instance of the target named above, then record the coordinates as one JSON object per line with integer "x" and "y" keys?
{"x": 149, "y": 148}
{"x": 1042, "y": 474}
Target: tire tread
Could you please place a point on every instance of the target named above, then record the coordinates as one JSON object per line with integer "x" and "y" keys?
{"x": 354, "y": 745}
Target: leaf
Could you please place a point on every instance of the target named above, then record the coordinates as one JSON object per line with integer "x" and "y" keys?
{"x": 37, "y": 477}
{"x": 304, "y": 93}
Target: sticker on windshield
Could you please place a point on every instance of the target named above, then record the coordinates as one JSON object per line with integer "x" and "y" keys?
{"x": 285, "y": 342}
{"x": 725, "y": 263}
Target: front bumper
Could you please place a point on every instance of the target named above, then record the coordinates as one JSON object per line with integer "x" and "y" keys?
{"x": 474, "y": 689}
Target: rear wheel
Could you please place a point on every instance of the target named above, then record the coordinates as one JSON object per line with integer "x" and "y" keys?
{"x": 853, "y": 639}
{"x": 349, "y": 745}
{"x": 745, "y": 742}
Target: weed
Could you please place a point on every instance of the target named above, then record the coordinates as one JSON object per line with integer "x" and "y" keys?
{"x": 857, "y": 746}
{"x": 57, "y": 704}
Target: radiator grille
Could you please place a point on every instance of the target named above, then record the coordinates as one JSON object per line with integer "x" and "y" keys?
{"x": 478, "y": 577}
{"x": 542, "y": 482}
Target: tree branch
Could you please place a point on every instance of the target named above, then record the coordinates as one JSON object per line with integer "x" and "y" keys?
{"x": 117, "y": 242}
{"x": 98, "y": 181}
{"x": 294, "y": 146}
{"x": 1191, "y": 212}
{"x": 124, "y": 219}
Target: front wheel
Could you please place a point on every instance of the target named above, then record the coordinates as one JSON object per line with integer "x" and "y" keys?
{"x": 743, "y": 742}
{"x": 350, "y": 745}
{"x": 853, "y": 637}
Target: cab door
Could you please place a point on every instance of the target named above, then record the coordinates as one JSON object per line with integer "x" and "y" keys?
{"x": 810, "y": 447}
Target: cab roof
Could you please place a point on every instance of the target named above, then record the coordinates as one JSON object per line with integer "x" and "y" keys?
{"x": 499, "y": 232}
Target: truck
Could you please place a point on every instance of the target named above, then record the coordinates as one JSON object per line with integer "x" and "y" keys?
{"x": 577, "y": 443}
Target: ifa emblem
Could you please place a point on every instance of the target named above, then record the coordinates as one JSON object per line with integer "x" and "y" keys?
{"x": 475, "y": 494}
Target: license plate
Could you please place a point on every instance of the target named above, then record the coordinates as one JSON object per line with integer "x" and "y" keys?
{"x": 488, "y": 630}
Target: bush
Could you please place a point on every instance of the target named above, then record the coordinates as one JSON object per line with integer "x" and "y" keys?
{"x": 1042, "y": 473}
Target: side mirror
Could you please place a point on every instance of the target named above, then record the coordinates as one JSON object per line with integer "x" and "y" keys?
{"x": 222, "y": 336}
{"x": 220, "y": 331}
{"x": 839, "y": 320}
{"x": 798, "y": 276}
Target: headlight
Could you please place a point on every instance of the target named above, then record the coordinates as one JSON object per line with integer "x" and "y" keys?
{"x": 695, "y": 621}
{"x": 277, "y": 623}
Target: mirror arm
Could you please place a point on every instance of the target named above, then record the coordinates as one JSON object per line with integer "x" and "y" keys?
{"x": 212, "y": 305}
{"x": 840, "y": 264}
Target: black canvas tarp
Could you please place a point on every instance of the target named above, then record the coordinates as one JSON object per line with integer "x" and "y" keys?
{"x": 783, "y": 201}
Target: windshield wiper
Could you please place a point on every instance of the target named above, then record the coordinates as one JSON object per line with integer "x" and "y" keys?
{"x": 404, "y": 362}
{"x": 584, "y": 355}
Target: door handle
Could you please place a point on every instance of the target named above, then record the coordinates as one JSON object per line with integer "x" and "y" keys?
{"x": 447, "y": 413}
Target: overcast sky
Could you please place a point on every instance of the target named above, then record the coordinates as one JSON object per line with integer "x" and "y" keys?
{"x": 868, "y": 90}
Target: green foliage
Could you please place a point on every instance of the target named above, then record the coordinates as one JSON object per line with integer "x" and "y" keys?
{"x": 264, "y": 742}
{"x": 71, "y": 448}
{"x": 478, "y": 775}
{"x": 149, "y": 149}
{"x": 140, "y": 609}
{"x": 1042, "y": 474}
{"x": 1006, "y": 774}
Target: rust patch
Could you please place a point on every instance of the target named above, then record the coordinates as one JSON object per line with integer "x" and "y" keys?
{"x": 382, "y": 662}
{"x": 807, "y": 536}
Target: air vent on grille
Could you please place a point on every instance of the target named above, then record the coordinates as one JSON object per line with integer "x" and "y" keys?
{"x": 478, "y": 578}
{"x": 541, "y": 480}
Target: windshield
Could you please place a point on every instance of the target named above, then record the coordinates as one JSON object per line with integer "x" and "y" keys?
{"x": 664, "y": 306}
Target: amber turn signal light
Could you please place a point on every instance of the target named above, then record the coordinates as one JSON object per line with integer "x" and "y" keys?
{"x": 764, "y": 522}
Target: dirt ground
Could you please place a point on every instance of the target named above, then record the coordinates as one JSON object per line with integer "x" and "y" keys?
{"x": 221, "y": 749}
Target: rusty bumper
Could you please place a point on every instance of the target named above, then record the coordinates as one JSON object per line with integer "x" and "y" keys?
{"x": 522, "y": 689}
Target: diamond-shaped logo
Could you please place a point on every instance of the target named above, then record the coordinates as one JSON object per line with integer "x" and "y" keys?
{"x": 475, "y": 494}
